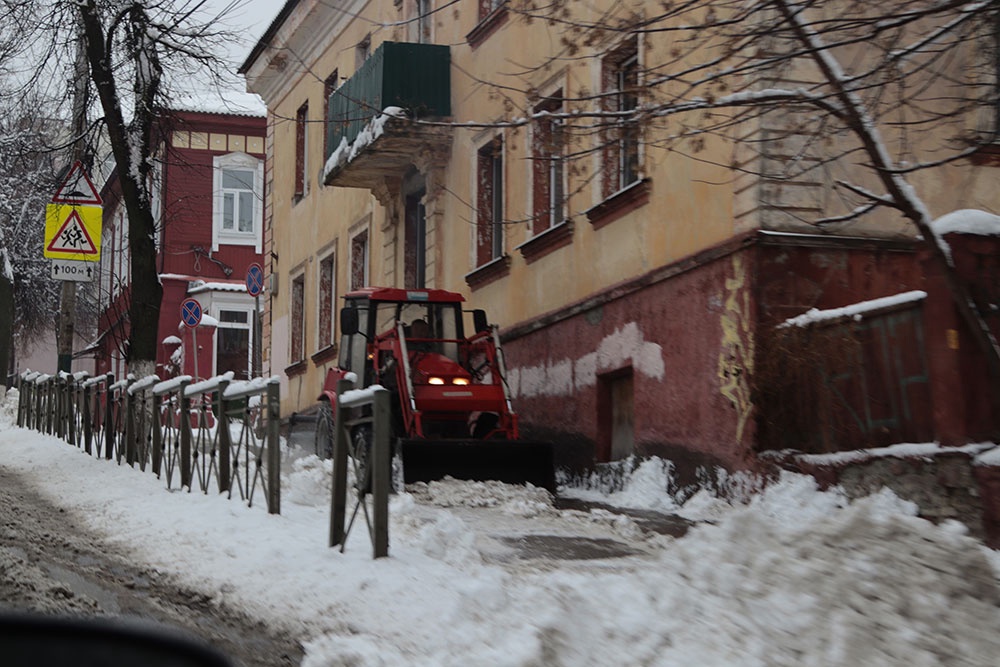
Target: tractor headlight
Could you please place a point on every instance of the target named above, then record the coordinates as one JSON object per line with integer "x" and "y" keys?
{"x": 462, "y": 381}
{"x": 435, "y": 380}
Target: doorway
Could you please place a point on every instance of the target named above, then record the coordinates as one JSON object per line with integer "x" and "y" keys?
{"x": 616, "y": 415}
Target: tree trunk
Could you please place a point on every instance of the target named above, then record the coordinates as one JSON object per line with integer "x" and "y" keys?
{"x": 130, "y": 144}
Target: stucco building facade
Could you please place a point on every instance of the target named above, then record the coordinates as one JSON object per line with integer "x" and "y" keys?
{"x": 632, "y": 282}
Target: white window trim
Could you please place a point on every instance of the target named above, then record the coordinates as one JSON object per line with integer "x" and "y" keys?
{"x": 237, "y": 160}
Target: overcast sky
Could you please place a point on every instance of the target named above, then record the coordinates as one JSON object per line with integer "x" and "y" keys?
{"x": 251, "y": 18}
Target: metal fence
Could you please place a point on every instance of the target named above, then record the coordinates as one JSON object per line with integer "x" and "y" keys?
{"x": 217, "y": 434}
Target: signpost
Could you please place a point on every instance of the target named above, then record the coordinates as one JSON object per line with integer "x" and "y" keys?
{"x": 191, "y": 317}
{"x": 255, "y": 284}
{"x": 73, "y": 237}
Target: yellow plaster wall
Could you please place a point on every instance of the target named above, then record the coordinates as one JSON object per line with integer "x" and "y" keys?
{"x": 692, "y": 202}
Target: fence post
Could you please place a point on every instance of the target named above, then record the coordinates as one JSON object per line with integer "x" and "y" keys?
{"x": 338, "y": 500}
{"x": 109, "y": 417}
{"x": 50, "y": 405}
{"x": 39, "y": 417}
{"x": 60, "y": 407}
{"x": 88, "y": 425}
{"x": 225, "y": 438}
{"x": 273, "y": 448}
{"x": 22, "y": 398}
{"x": 130, "y": 453}
{"x": 74, "y": 410}
{"x": 157, "y": 426}
{"x": 381, "y": 426}
{"x": 185, "y": 426}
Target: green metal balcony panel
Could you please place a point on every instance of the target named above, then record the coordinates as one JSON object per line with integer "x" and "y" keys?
{"x": 416, "y": 77}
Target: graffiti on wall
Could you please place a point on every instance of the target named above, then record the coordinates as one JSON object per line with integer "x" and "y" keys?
{"x": 736, "y": 352}
{"x": 623, "y": 348}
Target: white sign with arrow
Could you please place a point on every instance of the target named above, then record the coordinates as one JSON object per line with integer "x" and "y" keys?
{"x": 67, "y": 269}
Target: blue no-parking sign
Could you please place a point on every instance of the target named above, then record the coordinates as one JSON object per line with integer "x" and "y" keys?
{"x": 255, "y": 279}
{"x": 191, "y": 313}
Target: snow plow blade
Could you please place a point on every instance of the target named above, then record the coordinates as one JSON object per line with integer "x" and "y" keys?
{"x": 509, "y": 461}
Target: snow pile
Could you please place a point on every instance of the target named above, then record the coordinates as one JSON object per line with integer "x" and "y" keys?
{"x": 786, "y": 575}
{"x": 8, "y": 406}
{"x": 510, "y": 499}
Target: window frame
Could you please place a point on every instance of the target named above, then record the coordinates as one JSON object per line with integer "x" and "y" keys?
{"x": 548, "y": 172}
{"x": 221, "y": 236}
{"x": 326, "y": 295}
{"x": 330, "y": 84}
{"x": 297, "y": 319}
{"x": 301, "y": 151}
{"x": 489, "y": 238}
{"x": 622, "y": 154}
{"x": 424, "y": 21}
{"x": 365, "y": 259}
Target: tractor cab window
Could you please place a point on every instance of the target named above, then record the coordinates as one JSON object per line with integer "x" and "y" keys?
{"x": 354, "y": 346}
{"x": 438, "y": 322}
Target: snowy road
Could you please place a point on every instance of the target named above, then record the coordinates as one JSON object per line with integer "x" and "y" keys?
{"x": 50, "y": 565}
{"x": 491, "y": 575}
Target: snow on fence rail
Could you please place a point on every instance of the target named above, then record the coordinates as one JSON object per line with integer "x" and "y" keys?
{"x": 217, "y": 433}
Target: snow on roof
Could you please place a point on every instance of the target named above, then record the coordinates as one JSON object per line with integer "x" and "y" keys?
{"x": 856, "y": 310}
{"x": 968, "y": 221}
{"x": 200, "y": 287}
{"x": 924, "y": 450}
{"x": 234, "y": 102}
{"x": 964, "y": 221}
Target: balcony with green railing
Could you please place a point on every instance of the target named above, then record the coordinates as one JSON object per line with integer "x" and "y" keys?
{"x": 371, "y": 122}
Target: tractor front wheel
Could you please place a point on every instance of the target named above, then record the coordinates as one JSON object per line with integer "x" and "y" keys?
{"x": 323, "y": 439}
{"x": 361, "y": 455}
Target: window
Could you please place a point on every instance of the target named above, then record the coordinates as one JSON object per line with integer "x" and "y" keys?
{"x": 424, "y": 21}
{"x": 232, "y": 344}
{"x": 492, "y": 14}
{"x": 489, "y": 202}
{"x": 297, "y": 351}
{"x": 487, "y": 7}
{"x": 621, "y": 85}
{"x": 548, "y": 168}
{"x": 362, "y": 51}
{"x": 237, "y": 200}
{"x": 359, "y": 260}
{"x": 301, "y": 148}
{"x": 327, "y": 286}
{"x": 238, "y": 186}
{"x": 331, "y": 84}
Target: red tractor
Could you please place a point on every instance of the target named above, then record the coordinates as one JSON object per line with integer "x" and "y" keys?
{"x": 451, "y": 406}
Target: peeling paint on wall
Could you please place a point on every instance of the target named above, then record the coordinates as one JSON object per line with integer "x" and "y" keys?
{"x": 737, "y": 349}
{"x": 625, "y": 347}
